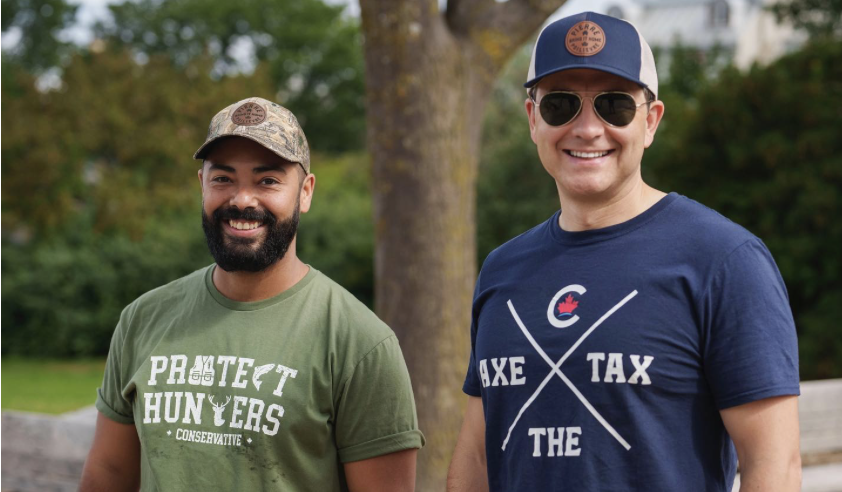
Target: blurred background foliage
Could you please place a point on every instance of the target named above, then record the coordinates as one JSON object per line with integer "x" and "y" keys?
{"x": 310, "y": 51}
{"x": 40, "y": 23}
{"x": 100, "y": 202}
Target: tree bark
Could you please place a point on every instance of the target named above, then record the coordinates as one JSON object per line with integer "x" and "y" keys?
{"x": 429, "y": 75}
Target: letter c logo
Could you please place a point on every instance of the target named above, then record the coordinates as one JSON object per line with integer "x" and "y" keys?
{"x": 551, "y": 310}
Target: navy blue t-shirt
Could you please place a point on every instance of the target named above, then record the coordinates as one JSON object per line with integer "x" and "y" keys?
{"x": 603, "y": 357}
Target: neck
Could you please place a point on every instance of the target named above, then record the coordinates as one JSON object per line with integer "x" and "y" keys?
{"x": 599, "y": 212}
{"x": 256, "y": 286}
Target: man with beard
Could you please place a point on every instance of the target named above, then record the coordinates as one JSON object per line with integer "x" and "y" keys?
{"x": 258, "y": 372}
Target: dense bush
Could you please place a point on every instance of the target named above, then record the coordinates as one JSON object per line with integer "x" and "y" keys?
{"x": 764, "y": 149}
{"x": 63, "y": 296}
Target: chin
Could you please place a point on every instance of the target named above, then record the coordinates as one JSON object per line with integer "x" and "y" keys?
{"x": 584, "y": 188}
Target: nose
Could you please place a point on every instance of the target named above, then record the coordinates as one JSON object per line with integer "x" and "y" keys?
{"x": 587, "y": 125}
{"x": 244, "y": 197}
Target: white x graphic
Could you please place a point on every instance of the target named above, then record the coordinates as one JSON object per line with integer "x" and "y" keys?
{"x": 557, "y": 371}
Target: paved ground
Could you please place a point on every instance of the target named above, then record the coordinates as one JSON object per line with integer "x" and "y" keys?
{"x": 824, "y": 478}
{"x": 821, "y": 478}
{"x": 45, "y": 453}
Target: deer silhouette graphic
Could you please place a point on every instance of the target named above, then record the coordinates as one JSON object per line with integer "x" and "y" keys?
{"x": 217, "y": 410}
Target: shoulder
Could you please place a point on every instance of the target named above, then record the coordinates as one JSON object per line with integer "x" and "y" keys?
{"x": 145, "y": 319}
{"x": 704, "y": 232}
{"x": 523, "y": 247}
{"x": 354, "y": 323}
{"x": 712, "y": 252}
{"x": 167, "y": 296}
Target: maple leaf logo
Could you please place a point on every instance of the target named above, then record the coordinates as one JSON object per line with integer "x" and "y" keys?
{"x": 568, "y": 306}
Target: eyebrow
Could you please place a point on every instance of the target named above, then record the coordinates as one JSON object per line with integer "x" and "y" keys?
{"x": 259, "y": 169}
{"x": 220, "y": 167}
{"x": 269, "y": 167}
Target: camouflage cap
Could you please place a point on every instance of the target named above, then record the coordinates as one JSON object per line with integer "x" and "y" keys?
{"x": 265, "y": 122}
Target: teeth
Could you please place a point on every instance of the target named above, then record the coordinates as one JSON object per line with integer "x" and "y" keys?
{"x": 243, "y": 225}
{"x": 587, "y": 155}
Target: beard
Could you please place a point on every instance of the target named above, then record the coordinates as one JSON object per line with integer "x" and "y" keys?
{"x": 246, "y": 254}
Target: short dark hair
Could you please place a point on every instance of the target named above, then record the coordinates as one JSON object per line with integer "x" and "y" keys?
{"x": 302, "y": 175}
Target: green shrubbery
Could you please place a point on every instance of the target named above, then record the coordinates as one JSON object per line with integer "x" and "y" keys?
{"x": 63, "y": 296}
{"x": 764, "y": 148}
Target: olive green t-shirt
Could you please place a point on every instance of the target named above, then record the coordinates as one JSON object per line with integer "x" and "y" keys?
{"x": 267, "y": 395}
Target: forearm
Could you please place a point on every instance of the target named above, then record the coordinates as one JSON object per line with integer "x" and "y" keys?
{"x": 393, "y": 472}
{"x": 100, "y": 477}
{"x": 113, "y": 463}
{"x": 780, "y": 475}
{"x": 467, "y": 472}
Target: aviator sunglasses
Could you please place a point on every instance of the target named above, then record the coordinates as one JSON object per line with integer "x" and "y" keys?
{"x": 561, "y": 107}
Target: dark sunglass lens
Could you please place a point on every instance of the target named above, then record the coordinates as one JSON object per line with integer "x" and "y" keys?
{"x": 558, "y": 108}
{"x": 616, "y": 109}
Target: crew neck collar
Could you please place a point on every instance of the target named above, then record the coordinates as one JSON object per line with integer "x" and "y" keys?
{"x": 253, "y": 306}
{"x": 605, "y": 233}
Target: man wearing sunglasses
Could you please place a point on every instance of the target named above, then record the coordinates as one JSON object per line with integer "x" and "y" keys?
{"x": 636, "y": 340}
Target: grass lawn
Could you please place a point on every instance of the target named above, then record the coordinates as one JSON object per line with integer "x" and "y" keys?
{"x": 49, "y": 385}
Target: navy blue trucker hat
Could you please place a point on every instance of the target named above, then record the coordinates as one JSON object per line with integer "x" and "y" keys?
{"x": 595, "y": 41}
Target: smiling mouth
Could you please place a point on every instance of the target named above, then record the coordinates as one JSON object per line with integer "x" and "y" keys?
{"x": 588, "y": 155}
{"x": 244, "y": 225}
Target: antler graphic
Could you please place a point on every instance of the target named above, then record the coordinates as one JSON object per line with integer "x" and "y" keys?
{"x": 218, "y": 405}
{"x": 217, "y": 410}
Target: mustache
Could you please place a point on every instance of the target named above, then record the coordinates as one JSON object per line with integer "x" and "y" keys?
{"x": 250, "y": 214}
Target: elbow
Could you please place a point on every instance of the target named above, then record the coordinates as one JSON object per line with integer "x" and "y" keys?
{"x": 780, "y": 475}
{"x": 795, "y": 469}
{"x": 791, "y": 466}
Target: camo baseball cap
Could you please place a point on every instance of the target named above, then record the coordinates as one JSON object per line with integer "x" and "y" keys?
{"x": 269, "y": 124}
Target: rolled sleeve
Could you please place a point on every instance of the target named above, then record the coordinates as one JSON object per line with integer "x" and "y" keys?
{"x": 376, "y": 411}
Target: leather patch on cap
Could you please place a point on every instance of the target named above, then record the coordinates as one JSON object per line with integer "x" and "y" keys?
{"x": 249, "y": 114}
{"x": 585, "y": 39}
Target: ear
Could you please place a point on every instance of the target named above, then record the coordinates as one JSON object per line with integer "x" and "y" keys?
{"x": 306, "y": 193}
{"x": 653, "y": 119}
{"x": 531, "y": 110}
{"x": 201, "y": 179}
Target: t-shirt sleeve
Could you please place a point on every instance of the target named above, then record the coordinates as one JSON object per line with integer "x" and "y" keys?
{"x": 751, "y": 349}
{"x": 471, "y": 387}
{"x": 376, "y": 411}
{"x": 110, "y": 401}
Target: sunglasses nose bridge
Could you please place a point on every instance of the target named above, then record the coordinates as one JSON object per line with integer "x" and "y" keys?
{"x": 596, "y": 113}
{"x": 588, "y": 121}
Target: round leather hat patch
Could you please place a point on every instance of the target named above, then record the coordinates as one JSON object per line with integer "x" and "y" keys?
{"x": 249, "y": 114}
{"x": 585, "y": 39}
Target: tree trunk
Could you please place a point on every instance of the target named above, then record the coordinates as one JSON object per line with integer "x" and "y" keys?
{"x": 429, "y": 75}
